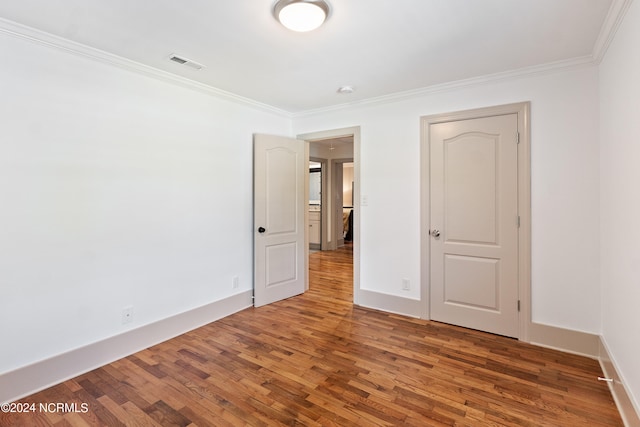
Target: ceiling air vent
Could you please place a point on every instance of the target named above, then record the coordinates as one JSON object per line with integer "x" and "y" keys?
{"x": 185, "y": 61}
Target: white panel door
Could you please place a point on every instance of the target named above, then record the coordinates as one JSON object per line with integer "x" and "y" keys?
{"x": 474, "y": 223}
{"x": 279, "y": 168}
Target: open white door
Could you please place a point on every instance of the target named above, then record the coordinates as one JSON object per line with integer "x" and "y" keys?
{"x": 279, "y": 206}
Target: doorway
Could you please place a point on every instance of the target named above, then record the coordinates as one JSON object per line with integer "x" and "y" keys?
{"x": 337, "y": 148}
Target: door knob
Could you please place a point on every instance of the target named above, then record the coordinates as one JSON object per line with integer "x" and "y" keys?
{"x": 261, "y": 230}
{"x": 435, "y": 233}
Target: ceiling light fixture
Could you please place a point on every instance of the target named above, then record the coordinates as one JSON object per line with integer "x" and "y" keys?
{"x": 346, "y": 89}
{"x": 301, "y": 15}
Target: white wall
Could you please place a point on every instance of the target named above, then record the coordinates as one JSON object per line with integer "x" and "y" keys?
{"x": 117, "y": 190}
{"x": 565, "y": 182}
{"x": 620, "y": 204}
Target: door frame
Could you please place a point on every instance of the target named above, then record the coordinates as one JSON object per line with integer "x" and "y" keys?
{"x": 338, "y": 188}
{"x": 324, "y": 182}
{"x": 523, "y": 111}
{"x": 337, "y": 133}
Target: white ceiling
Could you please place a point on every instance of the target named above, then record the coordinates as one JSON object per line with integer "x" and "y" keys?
{"x": 379, "y": 47}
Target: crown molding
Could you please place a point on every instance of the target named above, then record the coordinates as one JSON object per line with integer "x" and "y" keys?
{"x": 20, "y": 31}
{"x": 612, "y": 22}
{"x": 615, "y": 16}
{"x": 548, "y": 68}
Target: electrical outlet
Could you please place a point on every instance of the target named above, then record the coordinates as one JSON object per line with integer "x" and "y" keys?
{"x": 236, "y": 282}
{"x": 127, "y": 315}
{"x": 406, "y": 284}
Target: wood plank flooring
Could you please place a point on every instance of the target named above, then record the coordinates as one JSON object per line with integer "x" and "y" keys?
{"x": 317, "y": 360}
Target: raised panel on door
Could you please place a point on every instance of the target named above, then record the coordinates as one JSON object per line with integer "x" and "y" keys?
{"x": 281, "y": 199}
{"x": 472, "y": 281}
{"x": 474, "y": 207}
{"x": 279, "y": 167}
{"x": 470, "y": 193}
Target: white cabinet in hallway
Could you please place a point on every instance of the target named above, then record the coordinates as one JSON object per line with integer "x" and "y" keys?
{"x": 314, "y": 229}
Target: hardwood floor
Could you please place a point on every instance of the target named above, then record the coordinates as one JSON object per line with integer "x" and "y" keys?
{"x": 316, "y": 359}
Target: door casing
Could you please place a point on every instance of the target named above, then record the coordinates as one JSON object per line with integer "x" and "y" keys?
{"x": 324, "y": 244}
{"x": 337, "y": 169}
{"x": 524, "y": 203}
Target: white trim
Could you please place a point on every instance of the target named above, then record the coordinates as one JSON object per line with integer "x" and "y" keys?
{"x": 522, "y": 110}
{"x": 390, "y": 303}
{"x": 324, "y": 202}
{"x": 40, "y": 37}
{"x": 425, "y": 220}
{"x": 594, "y": 347}
{"x": 628, "y": 408}
{"x": 548, "y": 68}
{"x": 615, "y": 16}
{"x": 524, "y": 212}
{"x": 613, "y": 20}
{"x": 46, "y": 373}
{"x": 305, "y": 270}
{"x": 617, "y": 11}
{"x": 337, "y": 238}
{"x": 566, "y": 340}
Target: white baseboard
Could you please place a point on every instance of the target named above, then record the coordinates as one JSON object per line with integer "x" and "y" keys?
{"x": 592, "y": 346}
{"x": 630, "y": 413}
{"x": 390, "y": 303}
{"x": 38, "y": 376}
{"x": 567, "y": 340}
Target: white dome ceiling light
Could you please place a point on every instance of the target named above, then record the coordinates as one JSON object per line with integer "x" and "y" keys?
{"x": 344, "y": 90}
{"x": 301, "y": 15}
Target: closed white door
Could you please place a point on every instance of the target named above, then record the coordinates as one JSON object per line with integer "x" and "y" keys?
{"x": 279, "y": 253}
{"x": 474, "y": 223}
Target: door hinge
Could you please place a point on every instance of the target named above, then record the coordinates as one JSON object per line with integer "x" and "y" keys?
{"x": 518, "y": 221}
{"x": 517, "y": 137}
{"x": 518, "y": 305}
